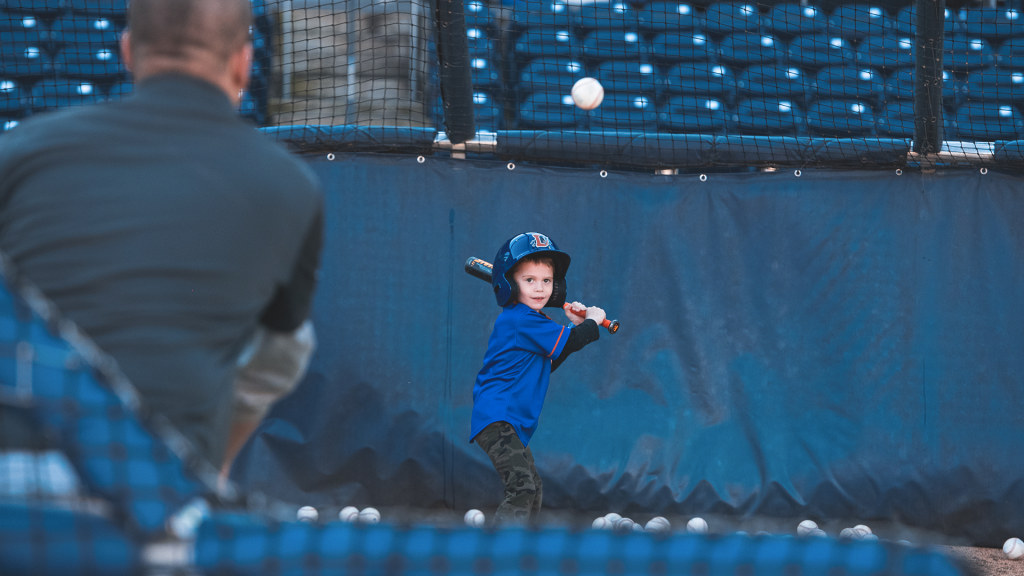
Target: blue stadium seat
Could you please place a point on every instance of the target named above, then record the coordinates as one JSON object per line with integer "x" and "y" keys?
{"x": 114, "y": 9}
{"x": 896, "y": 119}
{"x": 1011, "y": 53}
{"x": 901, "y": 86}
{"x": 906, "y": 21}
{"x": 41, "y": 8}
{"x": 769, "y": 116}
{"x": 707, "y": 79}
{"x": 120, "y": 90}
{"x": 723, "y": 18}
{"x": 993, "y": 23}
{"x": 52, "y": 93}
{"x": 636, "y": 76}
{"x": 625, "y": 111}
{"x": 841, "y": 118}
{"x": 550, "y": 73}
{"x": 857, "y": 20}
{"x": 479, "y": 41}
{"x": 672, "y": 47}
{"x": 11, "y": 97}
{"x": 743, "y": 49}
{"x": 478, "y": 15}
{"x": 541, "y": 110}
{"x": 789, "y": 19}
{"x": 614, "y": 45}
{"x": 615, "y": 15}
{"x": 694, "y": 115}
{"x": 662, "y": 16}
{"x": 80, "y": 29}
{"x": 817, "y": 50}
{"x": 24, "y": 60}
{"x": 545, "y": 41}
{"x": 995, "y": 85}
{"x": 526, "y": 14}
{"x": 78, "y": 61}
{"x": 484, "y": 72}
{"x": 23, "y": 29}
{"x": 487, "y": 111}
{"x": 964, "y": 53}
{"x": 886, "y": 52}
{"x": 776, "y": 81}
{"x": 850, "y": 82}
{"x": 989, "y": 121}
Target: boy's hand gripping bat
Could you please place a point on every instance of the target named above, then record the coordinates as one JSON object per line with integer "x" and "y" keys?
{"x": 482, "y": 270}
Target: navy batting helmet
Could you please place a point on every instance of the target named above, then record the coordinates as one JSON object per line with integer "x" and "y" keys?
{"x": 505, "y": 290}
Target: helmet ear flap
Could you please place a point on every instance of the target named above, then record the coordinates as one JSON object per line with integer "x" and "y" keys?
{"x": 558, "y": 293}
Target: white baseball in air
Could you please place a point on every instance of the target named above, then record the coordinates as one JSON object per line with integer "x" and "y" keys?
{"x": 587, "y": 93}
{"x": 307, "y": 514}
{"x": 474, "y": 518}
{"x": 1013, "y": 548}
{"x": 658, "y": 524}
{"x": 697, "y": 525}
{"x": 348, "y": 514}
{"x": 806, "y": 527}
{"x": 369, "y": 515}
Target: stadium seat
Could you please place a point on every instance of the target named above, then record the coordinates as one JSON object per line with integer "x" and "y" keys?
{"x": 526, "y": 14}
{"x": 77, "y": 61}
{"x": 487, "y": 112}
{"x": 841, "y": 118}
{"x": 743, "y": 49}
{"x": 775, "y": 81}
{"x": 906, "y": 21}
{"x": 664, "y": 16}
{"x": 24, "y": 60}
{"x": 902, "y": 84}
{"x": 84, "y": 30}
{"x": 484, "y": 72}
{"x": 11, "y": 96}
{"x": 614, "y": 45}
{"x": 963, "y": 53}
{"x": 896, "y": 119}
{"x": 545, "y": 41}
{"x": 52, "y": 93}
{"x": 22, "y": 28}
{"x": 1011, "y": 53}
{"x": 40, "y": 8}
{"x": 769, "y": 116}
{"x": 550, "y": 73}
{"x": 857, "y": 20}
{"x": 812, "y": 51}
{"x": 478, "y": 15}
{"x": 993, "y": 23}
{"x": 706, "y": 79}
{"x": 995, "y": 85}
{"x": 617, "y": 15}
{"x": 693, "y": 115}
{"x": 723, "y": 18}
{"x": 114, "y": 9}
{"x": 120, "y": 90}
{"x": 479, "y": 41}
{"x": 849, "y": 82}
{"x": 635, "y": 76}
{"x": 543, "y": 110}
{"x": 672, "y": 47}
{"x": 789, "y": 19}
{"x": 989, "y": 121}
{"x": 886, "y": 52}
{"x": 625, "y": 111}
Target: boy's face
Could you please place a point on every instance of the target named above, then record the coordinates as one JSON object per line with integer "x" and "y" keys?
{"x": 536, "y": 280}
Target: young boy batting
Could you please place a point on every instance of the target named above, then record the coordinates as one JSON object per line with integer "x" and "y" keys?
{"x": 525, "y": 347}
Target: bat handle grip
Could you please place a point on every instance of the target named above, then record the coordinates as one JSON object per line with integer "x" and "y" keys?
{"x": 611, "y": 325}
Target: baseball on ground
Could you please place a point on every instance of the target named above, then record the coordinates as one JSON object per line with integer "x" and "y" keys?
{"x": 348, "y": 514}
{"x": 369, "y": 515}
{"x": 474, "y": 518}
{"x": 1013, "y": 548}
{"x": 697, "y": 525}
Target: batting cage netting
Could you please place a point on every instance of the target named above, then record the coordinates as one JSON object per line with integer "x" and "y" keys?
{"x": 685, "y": 83}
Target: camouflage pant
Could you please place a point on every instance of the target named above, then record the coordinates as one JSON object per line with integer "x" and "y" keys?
{"x": 514, "y": 463}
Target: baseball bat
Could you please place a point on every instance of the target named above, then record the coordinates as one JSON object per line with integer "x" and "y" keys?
{"x": 482, "y": 270}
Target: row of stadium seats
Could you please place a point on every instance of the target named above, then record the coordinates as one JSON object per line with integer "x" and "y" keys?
{"x": 981, "y": 121}
{"x": 808, "y": 51}
{"x": 852, "y": 20}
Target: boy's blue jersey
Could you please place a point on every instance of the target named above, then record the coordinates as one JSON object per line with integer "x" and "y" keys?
{"x": 513, "y": 382}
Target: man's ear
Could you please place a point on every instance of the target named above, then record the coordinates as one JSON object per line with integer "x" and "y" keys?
{"x": 241, "y": 67}
{"x": 126, "y": 50}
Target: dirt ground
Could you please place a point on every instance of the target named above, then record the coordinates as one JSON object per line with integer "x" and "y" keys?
{"x": 986, "y": 561}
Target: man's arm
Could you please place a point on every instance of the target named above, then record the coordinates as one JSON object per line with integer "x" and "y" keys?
{"x": 291, "y": 303}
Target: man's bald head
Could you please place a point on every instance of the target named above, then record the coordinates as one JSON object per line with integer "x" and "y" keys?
{"x": 198, "y": 37}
